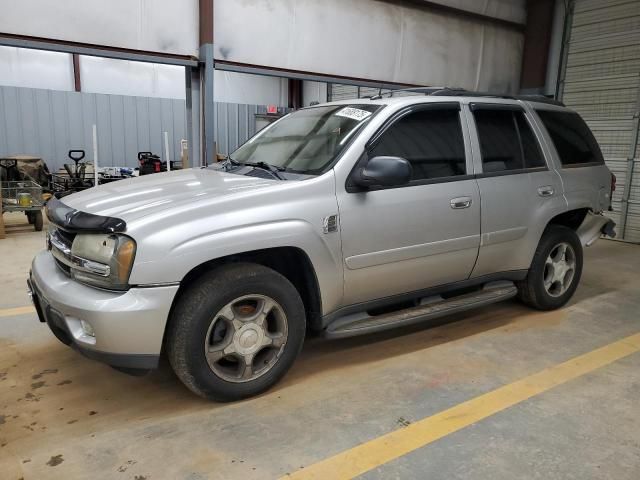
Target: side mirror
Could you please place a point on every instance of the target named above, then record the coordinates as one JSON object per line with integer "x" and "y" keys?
{"x": 383, "y": 172}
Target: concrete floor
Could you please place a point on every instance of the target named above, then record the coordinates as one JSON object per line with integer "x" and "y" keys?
{"x": 64, "y": 416}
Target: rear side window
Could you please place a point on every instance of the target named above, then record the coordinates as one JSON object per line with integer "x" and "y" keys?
{"x": 506, "y": 140}
{"x": 430, "y": 139}
{"x": 572, "y": 138}
{"x": 530, "y": 148}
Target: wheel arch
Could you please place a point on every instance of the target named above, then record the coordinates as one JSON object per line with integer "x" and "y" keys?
{"x": 291, "y": 262}
{"x": 571, "y": 218}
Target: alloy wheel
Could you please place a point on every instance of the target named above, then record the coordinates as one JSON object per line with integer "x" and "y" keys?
{"x": 246, "y": 338}
{"x": 559, "y": 269}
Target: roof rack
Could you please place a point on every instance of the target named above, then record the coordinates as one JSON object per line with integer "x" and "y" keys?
{"x": 461, "y": 92}
{"x": 540, "y": 99}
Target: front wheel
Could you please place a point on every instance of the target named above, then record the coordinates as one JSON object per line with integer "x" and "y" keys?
{"x": 555, "y": 270}
{"x": 236, "y": 331}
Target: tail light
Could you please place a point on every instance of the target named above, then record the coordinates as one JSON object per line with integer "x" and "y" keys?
{"x": 613, "y": 183}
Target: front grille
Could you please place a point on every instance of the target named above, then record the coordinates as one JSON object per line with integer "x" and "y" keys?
{"x": 66, "y": 237}
{"x": 65, "y": 268}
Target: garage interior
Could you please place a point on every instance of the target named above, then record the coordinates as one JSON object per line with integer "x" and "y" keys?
{"x": 499, "y": 392}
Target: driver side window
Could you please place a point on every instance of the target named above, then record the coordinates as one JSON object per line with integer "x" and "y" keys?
{"x": 430, "y": 139}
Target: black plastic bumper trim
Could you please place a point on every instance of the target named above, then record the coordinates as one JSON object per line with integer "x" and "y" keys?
{"x": 121, "y": 360}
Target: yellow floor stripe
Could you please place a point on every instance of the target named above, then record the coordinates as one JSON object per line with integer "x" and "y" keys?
{"x": 378, "y": 451}
{"x": 11, "y": 312}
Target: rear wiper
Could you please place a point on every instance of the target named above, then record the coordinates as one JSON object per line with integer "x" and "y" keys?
{"x": 275, "y": 170}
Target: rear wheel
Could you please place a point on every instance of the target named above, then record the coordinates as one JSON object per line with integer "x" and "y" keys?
{"x": 555, "y": 270}
{"x": 235, "y": 332}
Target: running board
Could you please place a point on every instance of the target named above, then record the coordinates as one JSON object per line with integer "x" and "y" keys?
{"x": 429, "y": 308}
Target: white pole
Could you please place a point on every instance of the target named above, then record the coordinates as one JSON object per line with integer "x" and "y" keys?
{"x": 166, "y": 151}
{"x": 95, "y": 156}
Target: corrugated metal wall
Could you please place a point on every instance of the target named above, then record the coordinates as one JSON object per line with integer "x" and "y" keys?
{"x": 602, "y": 83}
{"x": 49, "y": 123}
{"x": 235, "y": 123}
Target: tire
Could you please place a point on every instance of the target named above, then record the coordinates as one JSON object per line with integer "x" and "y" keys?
{"x": 30, "y": 217}
{"x": 37, "y": 220}
{"x": 215, "y": 311}
{"x": 552, "y": 281}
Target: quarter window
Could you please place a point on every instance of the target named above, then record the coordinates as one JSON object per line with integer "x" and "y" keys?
{"x": 506, "y": 141}
{"x": 430, "y": 139}
{"x": 572, "y": 138}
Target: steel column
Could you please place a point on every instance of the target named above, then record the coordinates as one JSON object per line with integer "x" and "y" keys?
{"x": 208, "y": 114}
{"x": 206, "y": 65}
{"x": 564, "y": 55}
{"x": 537, "y": 40}
{"x": 193, "y": 108}
{"x": 77, "y": 82}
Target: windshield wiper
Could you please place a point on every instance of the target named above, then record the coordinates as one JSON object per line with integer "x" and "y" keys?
{"x": 275, "y": 170}
{"x": 231, "y": 162}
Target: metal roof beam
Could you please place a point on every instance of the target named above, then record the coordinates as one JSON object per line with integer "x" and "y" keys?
{"x": 20, "y": 41}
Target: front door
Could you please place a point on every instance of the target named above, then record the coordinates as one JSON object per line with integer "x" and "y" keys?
{"x": 427, "y": 233}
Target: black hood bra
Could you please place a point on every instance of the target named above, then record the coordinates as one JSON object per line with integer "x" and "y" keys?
{"x": 76, "y": 221}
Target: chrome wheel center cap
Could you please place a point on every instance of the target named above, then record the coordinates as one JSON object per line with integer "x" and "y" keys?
{"x": 248, "y": 339}
{"x": 561, "y": 270}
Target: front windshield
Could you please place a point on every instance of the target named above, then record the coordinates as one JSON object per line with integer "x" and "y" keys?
{"x": 306, "y": 141}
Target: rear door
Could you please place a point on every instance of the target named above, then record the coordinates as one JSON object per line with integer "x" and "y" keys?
{"x": 519, "y": 190}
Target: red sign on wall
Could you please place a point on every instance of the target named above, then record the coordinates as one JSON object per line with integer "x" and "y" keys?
{"x": 272, "y": 109}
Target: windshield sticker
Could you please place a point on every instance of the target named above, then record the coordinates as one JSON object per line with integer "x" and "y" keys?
{"x": 353, "y": 113}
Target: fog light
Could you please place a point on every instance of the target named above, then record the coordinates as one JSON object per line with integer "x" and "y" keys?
{"x": 87, "y": 329}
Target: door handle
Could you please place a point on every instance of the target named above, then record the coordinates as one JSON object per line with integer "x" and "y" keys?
{"x": 546, "y": 191}
{"x": 460, "y": 202}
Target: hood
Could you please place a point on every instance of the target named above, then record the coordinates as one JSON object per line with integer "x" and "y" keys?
{"x": 135, "y": 198}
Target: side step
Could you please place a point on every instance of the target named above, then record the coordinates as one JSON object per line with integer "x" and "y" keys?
{"x": 429, "y": 308}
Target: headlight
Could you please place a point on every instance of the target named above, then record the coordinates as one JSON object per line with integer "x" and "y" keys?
{"x": 106, "y": 260}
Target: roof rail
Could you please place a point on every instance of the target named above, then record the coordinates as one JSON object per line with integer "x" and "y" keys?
{"x": 461, "y": 92}
{"x": 540, "y": 99}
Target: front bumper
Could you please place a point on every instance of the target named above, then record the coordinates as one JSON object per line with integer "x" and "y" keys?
{"x": 128, "y": 326}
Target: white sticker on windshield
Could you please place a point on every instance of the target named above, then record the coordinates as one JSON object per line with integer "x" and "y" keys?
{"x": 353, "y": 113}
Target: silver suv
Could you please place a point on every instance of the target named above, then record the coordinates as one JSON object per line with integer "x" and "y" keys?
{"x": 344, "y": 218}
